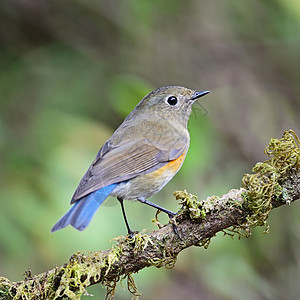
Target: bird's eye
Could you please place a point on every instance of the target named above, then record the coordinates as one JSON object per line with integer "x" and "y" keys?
{"x": 172, "y": 100}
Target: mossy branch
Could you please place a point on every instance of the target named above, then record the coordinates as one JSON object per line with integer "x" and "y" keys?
{"x": 273, "y": 183}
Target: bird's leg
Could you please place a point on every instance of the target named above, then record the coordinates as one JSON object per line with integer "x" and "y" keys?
{"x": 130, "y": 232}
{"x": 168, "y": 212}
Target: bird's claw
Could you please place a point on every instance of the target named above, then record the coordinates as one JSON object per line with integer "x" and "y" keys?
{"x": 172, "y": 218}
{"x": 131, "y": 234}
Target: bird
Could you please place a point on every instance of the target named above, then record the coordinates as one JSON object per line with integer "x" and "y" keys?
{"x": 139, "y": 159}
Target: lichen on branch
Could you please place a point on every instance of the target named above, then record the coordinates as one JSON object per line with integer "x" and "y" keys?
{"x": 265, "y": 184}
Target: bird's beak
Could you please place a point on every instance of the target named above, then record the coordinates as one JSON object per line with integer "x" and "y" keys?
{"x": 199, "y": 94}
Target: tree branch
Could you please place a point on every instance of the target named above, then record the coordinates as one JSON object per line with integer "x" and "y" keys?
{"x": 274, "y": 182}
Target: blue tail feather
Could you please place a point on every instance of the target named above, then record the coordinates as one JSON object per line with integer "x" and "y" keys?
{"x": 82, "y": 212}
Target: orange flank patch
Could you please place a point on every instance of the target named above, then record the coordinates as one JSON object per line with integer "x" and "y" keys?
{"x": 172, "y": 166}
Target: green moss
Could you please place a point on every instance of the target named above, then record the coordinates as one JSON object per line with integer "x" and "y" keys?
{"x": 190, "y": 203}
{"x": 5, "y": 289}
{"x": 70, "y": 280}
{"x": 198, "y": 209}
{"x": 139, "y": 242}
{"x": 132, "y": 287}
{"x": 264, "y": 184}
{"x": 204, "y": 243}
{"x": 81, "y": 270}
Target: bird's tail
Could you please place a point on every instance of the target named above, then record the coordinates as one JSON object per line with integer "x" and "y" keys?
{"x": 81, "y": 213}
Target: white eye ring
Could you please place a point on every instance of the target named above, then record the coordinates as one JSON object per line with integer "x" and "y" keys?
{"x": 172, "y": 100}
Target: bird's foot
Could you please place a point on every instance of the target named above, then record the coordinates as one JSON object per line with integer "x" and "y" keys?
{"x": 172, "y": 220}
{"x": 132, "y": 233}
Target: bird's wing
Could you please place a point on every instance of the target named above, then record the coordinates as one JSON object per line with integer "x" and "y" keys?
{"x": 119, "y": 163}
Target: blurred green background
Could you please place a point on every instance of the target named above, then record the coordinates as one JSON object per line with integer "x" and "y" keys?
{"x": 70, "y": 73}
